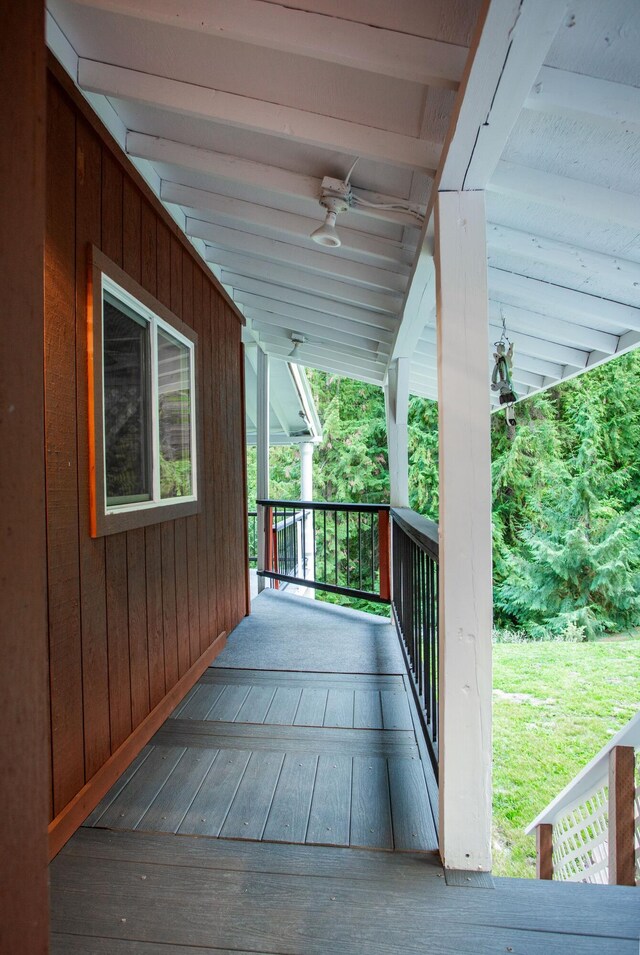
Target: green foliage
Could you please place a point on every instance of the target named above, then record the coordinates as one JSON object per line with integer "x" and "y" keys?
{"x": 566, "y": 510}
{"x": 175, "y": 477}
{"x": 543, "y": 720}
{"x": 566, "y": 518}
{"x": 351, "y": 464}
{"x": 423, "y": 457}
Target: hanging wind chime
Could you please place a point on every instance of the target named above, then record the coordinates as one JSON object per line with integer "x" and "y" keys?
{"x": 501, "y": 377}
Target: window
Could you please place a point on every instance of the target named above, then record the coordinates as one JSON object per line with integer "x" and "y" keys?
{"x": 142, "y": 388}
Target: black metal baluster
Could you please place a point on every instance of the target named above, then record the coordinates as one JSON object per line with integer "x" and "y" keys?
{"x": 313, "y": 549}
{"x": 324, "y": 539}
{"x": 347, "y": 548}
{"x": 360, "y": 549}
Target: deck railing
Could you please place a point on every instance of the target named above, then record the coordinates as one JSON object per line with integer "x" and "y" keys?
{"x": 372, "y": 552}
{"x": 339, "y": 548}
{"x": 414, "y": 600}
{"x": 591, "y": 830}
{"x": 252, "y": 525}
{"x": 288, "y": 548}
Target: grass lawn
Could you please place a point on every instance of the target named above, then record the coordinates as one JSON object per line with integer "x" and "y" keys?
{"x": 555, "y": 705}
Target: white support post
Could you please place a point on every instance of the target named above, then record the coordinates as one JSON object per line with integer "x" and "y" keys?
{"x": 306, "y": 494}
{"x": 396, "y": 396}
{"x": 262, "y": 457}
{"x": 465, "y": 596}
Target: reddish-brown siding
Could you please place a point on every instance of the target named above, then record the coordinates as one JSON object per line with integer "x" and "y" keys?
{"x": 24, "y": 697}
{"x": 130, "y": 614}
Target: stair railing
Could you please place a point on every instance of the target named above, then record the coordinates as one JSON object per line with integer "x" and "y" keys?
{"x": 591, "y": 831}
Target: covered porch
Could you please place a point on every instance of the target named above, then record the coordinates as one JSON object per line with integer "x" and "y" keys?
{"x": 288, "y": 805}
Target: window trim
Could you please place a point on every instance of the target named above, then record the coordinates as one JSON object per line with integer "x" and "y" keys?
{"x": 105, "y": 274}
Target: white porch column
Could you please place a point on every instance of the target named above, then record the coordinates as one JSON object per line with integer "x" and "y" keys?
{"x": 396, "y": 399}
{"x": 262, "y": 456}
{"x": 306, "y": 494}
{"x": 465, "y": 532}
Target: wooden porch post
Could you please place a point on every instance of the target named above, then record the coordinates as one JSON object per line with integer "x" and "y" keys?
{"x": 544, "y": 851}
{"x": 262, "y": 459}
{"x": 622, "y": 791}
{"x": 24, "y": 686}
{"x": 396, "y": 399}
{"x": 465, "y": 598}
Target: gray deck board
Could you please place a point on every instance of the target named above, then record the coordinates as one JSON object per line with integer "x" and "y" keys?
{"x": 412, "y": 818}
{"x": 311, "y": 710}
{"x": 329, "y": 820}
{"x": 248, "y": 812}
{"x": 200, "y": 703}
{"x": 209, "y": 809}
{"x": 395, "y": 710}
{"x": 130, "y": 805}
{"x": 370, "y": 804}
{"x": 313, "y": 636}
{"x": 339, "y": 711}
{"x": 228, "y": 705}
{"x": 367, "y": 710}
{"x": 251, "y": 755}
{"x": 278, "y": 737}
{"x": 86, "y": 945}
{"x": 284, "y": 707}
{"x": 172, "y": 803}
{"x": 302, "y": 678}
{"x": 265, "y": 911}
{"x": 118, "y": 786}
{"x": 256, "y": 706}
{"x": 289, "y": 813}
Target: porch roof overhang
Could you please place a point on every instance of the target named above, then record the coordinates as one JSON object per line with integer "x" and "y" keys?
{"x": 235, "y": 118}
{"x": 293, "y": 417}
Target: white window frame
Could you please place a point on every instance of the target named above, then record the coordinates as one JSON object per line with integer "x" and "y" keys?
{"x": 113, "y": 518}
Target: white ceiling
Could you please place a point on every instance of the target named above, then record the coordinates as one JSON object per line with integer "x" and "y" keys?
{"x": 234, "y": 110}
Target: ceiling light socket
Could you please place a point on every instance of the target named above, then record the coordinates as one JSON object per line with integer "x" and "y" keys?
{"x": 335, "y": 195}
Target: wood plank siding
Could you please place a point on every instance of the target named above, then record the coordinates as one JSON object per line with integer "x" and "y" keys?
{"x": 132, "y": 613}
{"x": 24, "y": 699}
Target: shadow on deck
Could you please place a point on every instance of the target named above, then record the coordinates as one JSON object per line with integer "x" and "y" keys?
{"x": 262, "y": 815}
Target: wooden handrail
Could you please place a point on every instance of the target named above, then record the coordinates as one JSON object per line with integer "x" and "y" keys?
{"x": 325, "y": 506}
{"x": 562, "y": 825}
{"x": 420, "y": 529}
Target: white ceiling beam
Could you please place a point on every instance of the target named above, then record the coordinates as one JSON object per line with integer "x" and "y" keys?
{"x": 565, "y": 303}
{"x": 326, "y": 359}
{"x": 292, "y": 314}
{"x": 321, "y": 262}
{"x": 365, "y": 363}
{"x": 315, "y": 333}
{"x": 578, "y": 96}
{"x": 543, "y": 367}
{"x": 506, "y": 55}
{"x": 419, "y": 304}
{"x": 324, "y": 364}
{"x": 619, "y": 275}
{"x": 261, "y": 178}
{"x": 244, "y": 285}
{"x": 276, "y": 223}
{"x": 259, "y": 116}
{"x": 327, "y": 38}
{"x": 509, "y": 47}
{"x": 553, "y": 329}
{"x": 542, "y": 348}
{"x": 233, "y": 263}
{"x": 572, "y": 196}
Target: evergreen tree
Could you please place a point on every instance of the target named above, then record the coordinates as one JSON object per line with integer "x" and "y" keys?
{"x": 423, "y": 457}
{"x": 579, "y": 564}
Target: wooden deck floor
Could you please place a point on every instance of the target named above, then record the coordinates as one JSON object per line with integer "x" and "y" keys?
{"x": 261, "y": 815}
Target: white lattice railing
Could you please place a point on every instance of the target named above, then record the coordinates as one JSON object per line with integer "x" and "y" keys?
{"x": 591, "y": 830}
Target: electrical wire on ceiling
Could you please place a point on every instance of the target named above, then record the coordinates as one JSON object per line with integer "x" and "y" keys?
{"x": 337, "y": 196}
